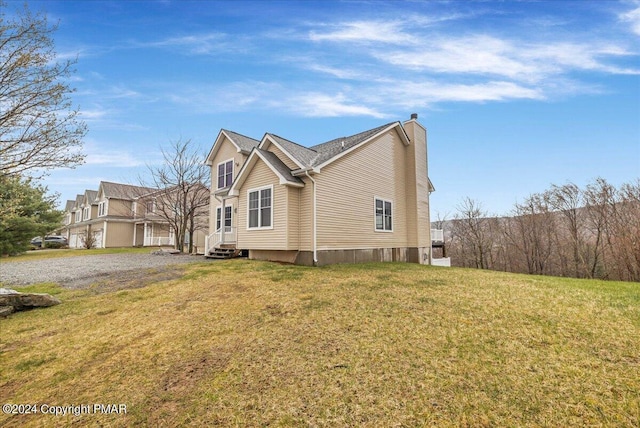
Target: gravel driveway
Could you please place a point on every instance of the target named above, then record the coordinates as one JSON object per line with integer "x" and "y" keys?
{"x": 74, "y": 272}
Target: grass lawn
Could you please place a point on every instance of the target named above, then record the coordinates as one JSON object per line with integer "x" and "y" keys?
{"x": 72, "y": 252}
{"x": 243, "y": 343}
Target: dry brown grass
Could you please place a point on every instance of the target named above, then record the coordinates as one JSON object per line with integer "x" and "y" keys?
{"x": 243, "y": 343}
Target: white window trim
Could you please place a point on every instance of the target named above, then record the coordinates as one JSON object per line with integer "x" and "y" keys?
{"x": 104, "y": 210}
{"x": 86, "y": 213}
{"x": 78, "y": 216}
{"x": 258, "y": 189}
{"x": 377, "y": 198}
{"x": 225, "y": 173}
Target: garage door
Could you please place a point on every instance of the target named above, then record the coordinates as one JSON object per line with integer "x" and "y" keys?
{"x": 97, "y": 239}
{"x": 73, "y": 240}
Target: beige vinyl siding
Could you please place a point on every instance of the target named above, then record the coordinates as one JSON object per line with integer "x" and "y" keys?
{"x": 263, "y": 239}
{"x": 233, "y": 202}
{"x": 418, "y": 187}
{"x": 119, "y": 208}
{"x": 283, "y": 157}
{"x": 198, "y": 240}
{"x": 118, "y": 234}
{"x": 226, "y": 152}
{"x": 293, "y": 217}
{"x": 305, "y": 216}
{"x": 346, "y": 191}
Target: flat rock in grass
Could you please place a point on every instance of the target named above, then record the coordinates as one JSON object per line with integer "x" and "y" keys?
{"x": 165, "y": 252}
{"x": 13, "y": 301}
{"x": 5, "y": 311}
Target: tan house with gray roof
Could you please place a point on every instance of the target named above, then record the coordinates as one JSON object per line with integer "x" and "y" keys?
{"x": 120, "y": 215}
{"x": 364, "y": 197}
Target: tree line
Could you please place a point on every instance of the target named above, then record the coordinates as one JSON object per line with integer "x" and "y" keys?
{"x": 589, "y": 232}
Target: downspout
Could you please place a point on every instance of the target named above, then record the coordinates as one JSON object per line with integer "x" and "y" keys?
{"x": 315, "y": 217}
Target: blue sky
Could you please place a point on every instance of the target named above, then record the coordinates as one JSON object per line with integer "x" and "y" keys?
{"x": 516, "y": 96}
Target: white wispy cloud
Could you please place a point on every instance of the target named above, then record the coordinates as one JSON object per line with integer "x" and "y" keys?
{"x": 481, "y": 54}
{"x": 425, "y": 93}
{"x": 522, "y": 61}
{"x": 199, "y": 44}
{"x": 632, "y": 17}
{"x": 414, "y": 66}
{"x": 93, "y": 114}
{"x": 114, "y": 158}
{"x": 316, "y": 104}
{"x": 214, "y": 97}
{"x": 382, "y": 31}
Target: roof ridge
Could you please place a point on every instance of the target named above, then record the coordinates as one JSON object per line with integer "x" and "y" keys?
{"x": 237, "y": 133}
{"x": 292, "y": 142}
{"x": 356, "y": 134}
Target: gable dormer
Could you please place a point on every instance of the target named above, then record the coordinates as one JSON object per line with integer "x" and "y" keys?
{"x": 228, "y": 154}
{"x": 293, "y": 155}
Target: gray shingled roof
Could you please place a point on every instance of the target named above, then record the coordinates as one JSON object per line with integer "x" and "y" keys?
{"x": 123, "y": 191}
{"x": 69, "y": 205}
{"x": 308, "y": 156}
{"x": 91, "y": 196}
{"x": 279, "y": 166}
{"x": 78, "y": 201}
{"x": 320, "y": 153}
{"x": 326, "y": 151}
{"x": 304, "y": 155}
{"x": 245, "y": 143}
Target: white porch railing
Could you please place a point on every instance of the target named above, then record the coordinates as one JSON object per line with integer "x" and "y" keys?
{"x": 437, "y": 235}
{"x": 216, "y": 238}
{"x": 159, "y": 241}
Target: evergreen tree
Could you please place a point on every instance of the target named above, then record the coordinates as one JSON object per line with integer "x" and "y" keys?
{"x": 26, "y": 211}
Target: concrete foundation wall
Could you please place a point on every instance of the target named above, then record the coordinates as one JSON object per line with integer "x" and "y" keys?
{"x": 328, "y": 257}
{"x": 274, "y": 256}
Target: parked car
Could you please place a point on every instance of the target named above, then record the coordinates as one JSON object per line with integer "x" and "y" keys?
{"x": 50, "y": 242}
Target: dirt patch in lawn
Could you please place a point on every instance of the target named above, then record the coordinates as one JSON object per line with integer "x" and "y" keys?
{"x": 106, "y": 283}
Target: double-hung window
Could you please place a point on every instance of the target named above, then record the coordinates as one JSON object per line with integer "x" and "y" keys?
{"x": 260, "y": 208}
{"x": 86, "y": 211}
{"x": 227, "y": 218}
{"x": 151, "y": 206}
{"x": 384, "y": 215}
{"x": 102, "y": 208}
{"x": 225, "y": 174}
{"x": 78, "y": 216}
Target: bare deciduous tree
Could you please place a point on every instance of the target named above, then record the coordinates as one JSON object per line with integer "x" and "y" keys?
{"x": 530, "y": 233}
{"x": 182, "y": 191}
{"x": 567, "y": 231}
{"x": 471, "y": 232}
{"x": 567, "y": 200}
{"x": 38, "y": 127}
